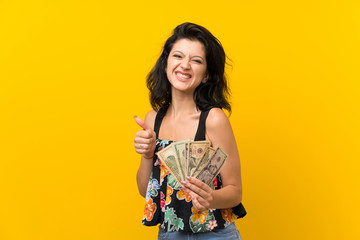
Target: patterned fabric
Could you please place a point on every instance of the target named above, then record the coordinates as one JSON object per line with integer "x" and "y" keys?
{"x": 166, "y": 203}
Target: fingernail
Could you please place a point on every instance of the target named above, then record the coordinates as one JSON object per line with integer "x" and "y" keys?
{"x": 187, "y": 177}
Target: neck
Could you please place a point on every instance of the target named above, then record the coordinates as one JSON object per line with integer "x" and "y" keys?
{"x": 182, "y": 104}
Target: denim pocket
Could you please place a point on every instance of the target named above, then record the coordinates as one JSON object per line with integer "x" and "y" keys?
{"x": 229, "y": 232}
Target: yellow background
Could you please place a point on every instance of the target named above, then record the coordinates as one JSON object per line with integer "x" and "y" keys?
{"x": 72, "y": 75}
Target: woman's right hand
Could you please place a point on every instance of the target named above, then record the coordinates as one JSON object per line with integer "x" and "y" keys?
{"x": 145, "y": 140}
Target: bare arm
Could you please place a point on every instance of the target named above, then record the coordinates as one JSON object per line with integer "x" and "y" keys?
{"x": 219, "y": 132}
{"x": 144, "y": 142}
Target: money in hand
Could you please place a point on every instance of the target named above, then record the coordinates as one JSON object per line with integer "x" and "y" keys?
{"x": 213, "y": 166}
{"x": 169, "y": 159}
{"x": 196, "y": 151}
{"x": 204, "y": 160}
{"x": 179, "y": 148}
{"x": 193, "y": 158}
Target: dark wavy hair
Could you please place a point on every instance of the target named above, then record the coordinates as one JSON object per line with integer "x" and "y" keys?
{"x": 213, "y": 93}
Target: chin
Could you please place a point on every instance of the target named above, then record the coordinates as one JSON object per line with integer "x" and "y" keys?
{"x": 183, "y": 89}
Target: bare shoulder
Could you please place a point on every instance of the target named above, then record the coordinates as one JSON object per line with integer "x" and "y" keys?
{"x": 217, "y": 118}
{"x": 218, "y": 128}
{"x": 150, "y": 118}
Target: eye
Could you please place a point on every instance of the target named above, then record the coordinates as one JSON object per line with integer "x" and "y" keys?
{"x": 177, "y": 56}
{"x": 197, "y": 61}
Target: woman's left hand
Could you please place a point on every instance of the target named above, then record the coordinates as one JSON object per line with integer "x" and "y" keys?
{"x": 201, "y": 193}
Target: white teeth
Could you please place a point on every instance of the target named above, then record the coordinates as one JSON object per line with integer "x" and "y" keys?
{"x": 183, "y": 76}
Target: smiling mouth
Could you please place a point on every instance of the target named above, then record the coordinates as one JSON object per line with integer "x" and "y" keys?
{"x": 183, "y": 75}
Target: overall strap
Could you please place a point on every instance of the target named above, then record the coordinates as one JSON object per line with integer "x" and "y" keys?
{"x": 159, "y": 117}
{"x": 200, "y": 134}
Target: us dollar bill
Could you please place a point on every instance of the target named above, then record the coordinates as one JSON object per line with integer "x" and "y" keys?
{"x": 196, "y": 151}
{"x": 168, "y": 157}
{"x": 204, "y": 160}
{"x": 213, "y": 167}
{"x": 186, "y": 157}
{"x": 179, "y": 148}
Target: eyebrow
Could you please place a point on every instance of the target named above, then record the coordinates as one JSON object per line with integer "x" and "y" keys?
{"x": 191, "y": 57}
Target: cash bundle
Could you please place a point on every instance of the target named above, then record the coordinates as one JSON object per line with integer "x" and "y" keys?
{"x": 193, "y": 158}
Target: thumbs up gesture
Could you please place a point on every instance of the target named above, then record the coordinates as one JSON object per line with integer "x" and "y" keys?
{"x": 145, "y": 140}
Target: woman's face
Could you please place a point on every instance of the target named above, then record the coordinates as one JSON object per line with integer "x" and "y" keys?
{"x": 186, "y": 65}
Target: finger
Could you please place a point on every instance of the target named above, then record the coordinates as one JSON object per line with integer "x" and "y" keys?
{"x": 144, "y": 134}
{"x": 140, "y": 122}
{"x": 196, "y": 189}
{"x": 192, "y": 194}
{"x": 188, "y": 190}
{"x": 197, "y": 186}
{"x": 143, "y": 151}
{"x": 150, "y": 132}
{"x": 141, "y": 146}
{"x": 198, "y": 205}
{"x": 203, "y": 202}
{"x": 198, "y": 183}
{"x": 143, "y": 140}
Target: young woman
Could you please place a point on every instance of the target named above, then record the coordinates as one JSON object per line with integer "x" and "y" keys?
{"x": 188, "y": 91}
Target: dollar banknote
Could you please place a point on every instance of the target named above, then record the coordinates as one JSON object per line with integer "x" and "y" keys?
{"x": 193, "y": 158}
{"x": 196, "y": 151}
{"x": 204, "y": 160}
{"x": 186, "y": 157}
{"x": 168, "y": 158}
{"x": 179, "y": 148}
{"x": 213, "y": 166}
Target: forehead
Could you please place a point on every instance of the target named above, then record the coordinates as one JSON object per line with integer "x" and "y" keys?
{"x": 187, "y": 46}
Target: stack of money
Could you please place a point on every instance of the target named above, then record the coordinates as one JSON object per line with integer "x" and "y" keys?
{"x": 193, "y": 158}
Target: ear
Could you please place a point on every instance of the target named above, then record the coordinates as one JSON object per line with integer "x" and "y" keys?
{"x": 206, "y": 77}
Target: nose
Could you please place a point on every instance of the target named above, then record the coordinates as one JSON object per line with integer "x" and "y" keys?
{"x": 185, "y": 63}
